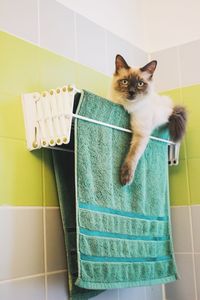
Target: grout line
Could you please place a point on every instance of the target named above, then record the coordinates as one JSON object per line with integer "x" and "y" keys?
{"x": 145, "y": 291}
{"x": 21, "y": 278}
{"x": 32, "y": 276}
{"x": 192, "y": 245}
{"x": 12, "y": 207}
{"x": 163, "y": 292}
{"x": 44, "y": 228}
{"x": 56, "y": 272}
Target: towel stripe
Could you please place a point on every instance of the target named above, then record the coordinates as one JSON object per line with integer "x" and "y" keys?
{"x": 124, "y": 259}
{"x": 122, "y": 236}
{"x": 107, "y": 210}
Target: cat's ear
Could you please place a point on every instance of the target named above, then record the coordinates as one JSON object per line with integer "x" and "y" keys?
{"x": 150, "y": 67}
{"x": 120, "y": 63}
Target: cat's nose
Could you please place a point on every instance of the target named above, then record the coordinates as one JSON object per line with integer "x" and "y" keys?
{"x": 131, "y": 93}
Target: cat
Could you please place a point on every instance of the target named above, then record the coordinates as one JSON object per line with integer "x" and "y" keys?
{"x": 133, "y": 89}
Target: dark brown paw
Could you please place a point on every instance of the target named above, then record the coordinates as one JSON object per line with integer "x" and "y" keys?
{"x": 126, "y": 174}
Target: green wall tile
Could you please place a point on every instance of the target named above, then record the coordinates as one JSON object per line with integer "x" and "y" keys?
{"x": 194, "y": 180}
{"x": 179, "y": 191}
{"x": 191, "y": 99}
{"x": 18, "y": 65}
{"x": 20, "y": 173}
{"x": 54, "y": 70}
{"x": 193, "y": 143}
{"x": 11, "y": 117}
{"x": 175, "y": 95}
{"x": 91, "y": 80}
{"x": 49, "y": 183}
{"x": 28, "y": 176}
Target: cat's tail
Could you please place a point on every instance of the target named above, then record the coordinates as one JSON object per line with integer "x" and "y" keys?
{"x": 177, "y": 123}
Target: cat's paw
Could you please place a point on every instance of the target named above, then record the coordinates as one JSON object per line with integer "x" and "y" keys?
{"x": 127, "y": 174}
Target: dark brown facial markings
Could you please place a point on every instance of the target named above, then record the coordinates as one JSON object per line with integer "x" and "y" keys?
{"x": 131, "y": 86}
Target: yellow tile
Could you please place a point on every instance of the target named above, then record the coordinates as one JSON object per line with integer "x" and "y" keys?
{"x": 54, "y": 70}
{"x": 50, "y": 191}
{"x": 20, "y": 173}
{"x": 19, "y": 65}
{"x": 175, "y": 95}
{"x": 179, "y": 191}
{"x": 194, "y": 180}
{"x": 193, "y": 143}
{"x": 11, "y": 117}
{"x": 191, "y": 99}
{"x": 92, "y": 81}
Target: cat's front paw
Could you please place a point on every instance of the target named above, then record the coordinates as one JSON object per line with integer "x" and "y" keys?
{"x": 127, "y": 174}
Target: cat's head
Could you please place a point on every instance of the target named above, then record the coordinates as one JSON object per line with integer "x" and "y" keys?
{"x": 131, "y": 84}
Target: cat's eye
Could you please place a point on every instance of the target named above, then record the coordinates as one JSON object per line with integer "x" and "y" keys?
{"x": 140, "y": 83}
{"x": 124, "y": 81}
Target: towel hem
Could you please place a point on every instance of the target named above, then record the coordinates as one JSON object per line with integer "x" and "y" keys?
{"x": 99, "y": 285}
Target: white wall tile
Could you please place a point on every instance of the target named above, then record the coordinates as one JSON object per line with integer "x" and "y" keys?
{"x": 181, "y": 229}
{"x": 166, "y": 76}
{"x": 57, "y": 28}
{"x": 91, "y": 49}
{"x": 137, "y": 293}
{"x": 190, "y": 63}
{"x": 182, "y": 289}
{"x": 27, "y": 289}
{"x": 133, "y": 55}
{"x": 107, "y": 295}
{"x": 57, "y": 287}
{"x": 56, "y": 258}
{"x": 20, "y": 17}
{"x": 21, "y": 242}
{"x": 154, "y": 292}
{"x": 197, "y": 270}
{"x": 196, "y": 226}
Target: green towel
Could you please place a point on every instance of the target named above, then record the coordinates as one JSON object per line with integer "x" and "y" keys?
{"x": 64, "y": 171}
{"x": 123, "y": 232}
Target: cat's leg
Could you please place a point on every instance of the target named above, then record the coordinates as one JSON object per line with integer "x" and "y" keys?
{"x": 137, "y": 147}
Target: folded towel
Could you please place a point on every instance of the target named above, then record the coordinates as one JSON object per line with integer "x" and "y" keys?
{"x": 123, "y": 232}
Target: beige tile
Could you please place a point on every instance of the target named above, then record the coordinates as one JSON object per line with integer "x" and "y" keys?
{"x": 91, "y": 44}
{"x": 190, "y": 64}
{"x": 132, "y": 293}
{"x": 182, "y": 289}
{"x": 196, "y": 226}
{"x": 56, "y": 258}
{"x": 154, "y": 292}
{"x": 21, "y": 242}
{"x": 166, "y": 76}
{"x": 20, "y": 18}
{"x": 57, "y": 287}
{"x": 197, "y": 271}
{"x": 181, "y": 229}
{"x": 61, "y": 37}
{"x": 107, "y": 295}
{"x": 26, "y": 289}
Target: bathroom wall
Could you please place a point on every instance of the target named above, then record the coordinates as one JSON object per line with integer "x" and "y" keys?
{"x": 43, "y": 45}
{"x": 178, "y": 76}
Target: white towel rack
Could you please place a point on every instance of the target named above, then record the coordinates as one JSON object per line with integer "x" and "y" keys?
{"x": 48, "y": 119}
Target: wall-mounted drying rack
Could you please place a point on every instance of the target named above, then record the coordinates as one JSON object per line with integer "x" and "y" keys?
{"x": 48, "y": 120}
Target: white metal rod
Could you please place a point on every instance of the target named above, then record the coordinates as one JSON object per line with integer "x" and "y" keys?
{"x": 118, "y": 128}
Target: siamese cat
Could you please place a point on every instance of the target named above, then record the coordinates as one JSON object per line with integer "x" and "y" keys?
{"x": 133, "y": 89}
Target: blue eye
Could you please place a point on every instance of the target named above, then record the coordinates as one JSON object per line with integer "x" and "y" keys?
{"x": 124, "y": 81}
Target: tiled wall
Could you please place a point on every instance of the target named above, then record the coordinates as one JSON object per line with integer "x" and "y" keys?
{"x": 32, "y": 257}
{"x": 178, "y": 76}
